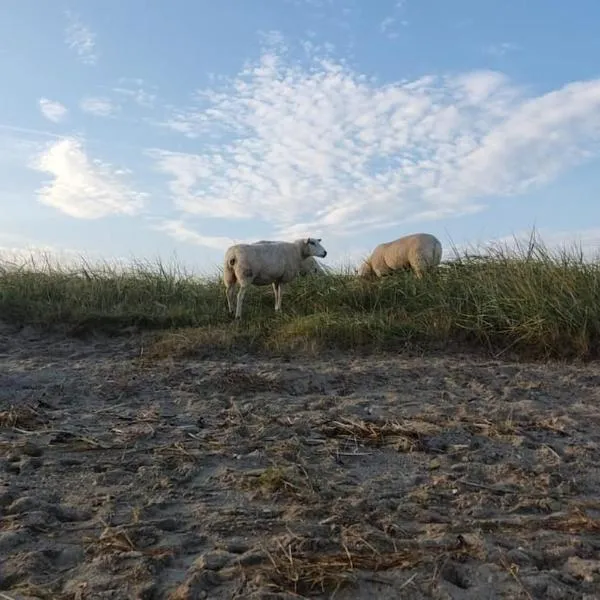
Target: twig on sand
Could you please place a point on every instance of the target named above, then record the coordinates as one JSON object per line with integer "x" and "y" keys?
{"x": 491, "y": 488}
{"x": 76, "y": 436}
{"x": 354, "y": 453}
{"x": 408, "y": 581}
{"x": 512, "y": 570}
{"x": 110, "y": 408}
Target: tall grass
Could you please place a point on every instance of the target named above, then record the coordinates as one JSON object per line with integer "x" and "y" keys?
{"x": 532, "y": 302}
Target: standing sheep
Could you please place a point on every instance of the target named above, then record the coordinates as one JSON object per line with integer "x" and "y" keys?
{"x": 265, "y": 263}
{"x": 309, "y": 266}
{"x": 419, "y": 251}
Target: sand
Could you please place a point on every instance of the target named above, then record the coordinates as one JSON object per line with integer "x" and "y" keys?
{"x": 382, "y": 477}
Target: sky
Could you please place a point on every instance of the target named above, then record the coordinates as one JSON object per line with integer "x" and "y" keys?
{"x": 153, "y": 130}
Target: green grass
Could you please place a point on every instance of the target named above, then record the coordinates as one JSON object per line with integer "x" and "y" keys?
{"x": 533, "y": 303}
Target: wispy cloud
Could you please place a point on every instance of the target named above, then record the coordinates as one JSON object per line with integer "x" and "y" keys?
{"x": 84, "y": 188}
{"x": 81, "y": 39}
{"x": 386, "y": 24}
{"x": 501, "y": 49}
{"x": 52, "y": 110}
{"x": 179, "y": 231}
{"x": 390, "y": 25}
{"x": 29, "y": 131}
{"x": 136, "y": 90}
{"x": 15, "y": 150}
{"x": 100, "y": 107}
{"x": 324, "y": 149}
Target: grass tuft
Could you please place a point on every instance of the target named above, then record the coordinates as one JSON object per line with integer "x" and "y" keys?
{"x": 530, "y": 302}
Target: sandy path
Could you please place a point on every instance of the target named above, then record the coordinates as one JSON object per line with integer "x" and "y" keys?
{"x": 456, "y": 477}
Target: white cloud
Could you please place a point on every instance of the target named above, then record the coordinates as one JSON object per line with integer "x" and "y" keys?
{"x": 178, "y": 230}
{"x": 28, "y": 131}
{"x": 100, "y": 107}
{"x": 389, "y": 25}
{"x": 53, "y": 111}
{"x": 84, "y": 188}
{"x": 499, "y": 50}
{"x": 136, "y": 90}
{"x": 386, "y": 24}
{"x": 81, "y": 39}
{"x": 323, "y": 150}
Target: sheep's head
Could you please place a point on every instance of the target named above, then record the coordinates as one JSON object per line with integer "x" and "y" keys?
{"x": 309, "y": 267}
{"x": 366, "y": 270}
{"x": 312, "y": 247}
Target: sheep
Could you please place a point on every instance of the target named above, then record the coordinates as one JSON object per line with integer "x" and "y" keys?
{"x": 309, "y": 266}
{"x": 419, "y": 252}
{"x": 264, "y": 263}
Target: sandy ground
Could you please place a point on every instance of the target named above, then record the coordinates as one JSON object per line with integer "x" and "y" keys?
{"x": 373, "y": 478}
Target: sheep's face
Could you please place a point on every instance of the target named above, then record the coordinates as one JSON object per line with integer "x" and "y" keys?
{"x": 365, "y": 270}
{"x": 309, "y": 267}
{"x": 312, "y": 247}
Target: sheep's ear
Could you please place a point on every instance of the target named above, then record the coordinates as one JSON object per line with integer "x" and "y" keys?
{"x": 319, "y": 240}
{"x": 307, "y": 240}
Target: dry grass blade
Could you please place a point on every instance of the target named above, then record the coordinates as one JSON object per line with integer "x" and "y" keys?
{"x": 574, "y": 523}
{"x": 175, "y": 450}
{"x": 237, "y": 382}
{"x": 21, "y": 417}
{"x": 110, "y": 540}
{"x": 275, "y": 482}
{"x": 312, "y": 573}
{"x": 403, "y": 437}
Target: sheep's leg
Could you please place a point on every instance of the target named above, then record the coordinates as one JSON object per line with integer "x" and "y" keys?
{"x": 418, "y": 266}
{"x": 275, "y": 293}
{"x": 230, "y": 280}
{"x": 277, "y": 289}
{"x": 240, "y": 300}
{"x": 230, "y": 293}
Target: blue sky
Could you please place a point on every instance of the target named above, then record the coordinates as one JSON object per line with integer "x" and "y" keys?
{"x": 154, "y": 129}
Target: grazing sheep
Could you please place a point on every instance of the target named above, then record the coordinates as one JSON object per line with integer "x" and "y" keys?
{"x": 264, "y": 263}
{"x": 309, "y": 266}
{"x": 419, "y": 251}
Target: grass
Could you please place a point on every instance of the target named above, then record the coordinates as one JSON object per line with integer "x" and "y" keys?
{"x": 531, "y": 302}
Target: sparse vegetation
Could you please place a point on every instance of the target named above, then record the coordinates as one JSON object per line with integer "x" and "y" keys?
{"x": 530, "y": 301}
{"x": 321, "y": 477}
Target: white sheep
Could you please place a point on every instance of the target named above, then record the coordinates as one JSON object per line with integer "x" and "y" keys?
{"x": 419, "y": 252}
{"x": 264, "y": 263}
{"x": 309, "y": 266}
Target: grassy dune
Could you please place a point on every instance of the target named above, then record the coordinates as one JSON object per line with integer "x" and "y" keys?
{"x": 532, "y": 302}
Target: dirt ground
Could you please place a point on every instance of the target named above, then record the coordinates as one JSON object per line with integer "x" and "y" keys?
{"x": 387, "y": 477}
